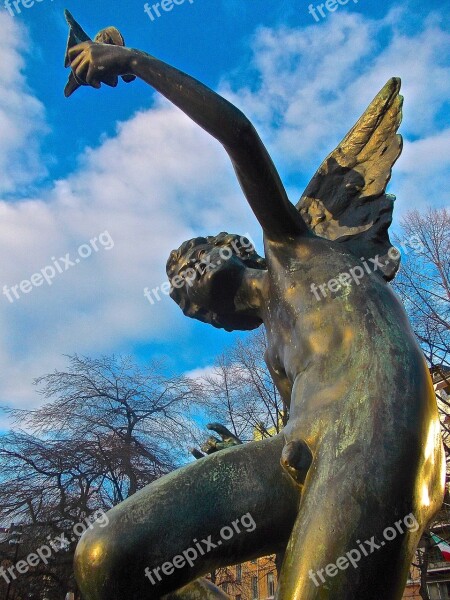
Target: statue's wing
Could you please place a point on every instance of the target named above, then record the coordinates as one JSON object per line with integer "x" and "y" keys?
{"x": 346, "y": 200}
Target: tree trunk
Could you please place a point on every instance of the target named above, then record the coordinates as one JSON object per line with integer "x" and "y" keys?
{"x": 423, "y": 591}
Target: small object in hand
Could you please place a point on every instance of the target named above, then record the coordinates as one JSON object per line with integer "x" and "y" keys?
{"x": 77, "y": 35}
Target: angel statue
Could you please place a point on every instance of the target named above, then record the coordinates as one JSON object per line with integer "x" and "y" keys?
{"x": 347, "y": 488}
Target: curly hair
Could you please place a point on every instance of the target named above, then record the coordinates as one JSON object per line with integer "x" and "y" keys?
{"x": 190, "y": 255}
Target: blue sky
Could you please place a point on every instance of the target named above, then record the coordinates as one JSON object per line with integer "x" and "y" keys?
{"x": 125, "y": 162}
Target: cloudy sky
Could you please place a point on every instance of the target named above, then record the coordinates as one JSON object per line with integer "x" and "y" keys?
{"x": 123, "y": 166}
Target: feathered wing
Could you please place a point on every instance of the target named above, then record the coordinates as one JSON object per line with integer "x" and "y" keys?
{"x": 346, "y": 200}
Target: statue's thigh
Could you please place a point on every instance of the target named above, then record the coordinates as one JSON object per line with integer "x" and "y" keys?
{"x": 228, "y": 507}
{"x": 338, "y": 550}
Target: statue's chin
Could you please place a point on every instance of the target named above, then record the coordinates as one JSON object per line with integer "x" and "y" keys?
{"x": 231, "y": 321}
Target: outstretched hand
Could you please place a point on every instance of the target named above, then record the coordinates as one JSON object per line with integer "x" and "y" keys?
{"x": 93, "y": 63}
{"x": 213, "y": 444}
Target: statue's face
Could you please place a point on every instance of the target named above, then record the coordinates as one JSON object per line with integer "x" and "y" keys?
{"x": 206, "y": 280}
{"x": 210, "y": 281}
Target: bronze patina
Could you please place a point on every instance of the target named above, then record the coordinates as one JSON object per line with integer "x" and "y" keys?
{"x": 362, "y": 448}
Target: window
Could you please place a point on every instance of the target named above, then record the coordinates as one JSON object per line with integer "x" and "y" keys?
{"x": 238, "y": 573}
{"x": 433, "y": 591}
{"x": 255, "y": 594}
{"x": 439, "y": 591}
{"x": 270, "y": 584}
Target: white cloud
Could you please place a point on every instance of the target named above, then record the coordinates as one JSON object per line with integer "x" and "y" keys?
{"x": 424, "y": 171}
{"x": 314, "y": 83}
{"x": 203, "y": 373}
{"x": 158, "y": 182}
{"x": 21, "y": 114}
{"x": 161, "y": 180}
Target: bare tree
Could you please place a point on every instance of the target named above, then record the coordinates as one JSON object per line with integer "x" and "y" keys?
{"x": 107, "y": 428}
{"x": 240, "y": 392}
{"x": 424, "y": 286}
{"x": 424, "y": 280}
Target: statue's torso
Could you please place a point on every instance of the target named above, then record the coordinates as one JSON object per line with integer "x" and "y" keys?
{"x": 357, "y": 378}
{"x": 353, "y": 346}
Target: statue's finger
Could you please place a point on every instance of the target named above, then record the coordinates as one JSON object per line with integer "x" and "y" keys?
{"x": 111, "y": 81}
{"x": 223, "y": 431}
{"x": 128, "y": 78}
{"x": 218, "y": 428}
{"x": 77, "y": 50}
{"x": 77, "y": 61}
{"x": 82, "y": 70}
{"x": 93, "y": 77}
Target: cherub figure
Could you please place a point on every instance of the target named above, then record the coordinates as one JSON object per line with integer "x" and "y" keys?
{"x": 361, "y": 454}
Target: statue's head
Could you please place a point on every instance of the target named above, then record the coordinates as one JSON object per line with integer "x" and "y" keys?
{"x": 215, "y": 280}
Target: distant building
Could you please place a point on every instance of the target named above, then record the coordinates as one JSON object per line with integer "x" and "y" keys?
{"x": 254, "y": 580}
{"x": 438, "y": 571}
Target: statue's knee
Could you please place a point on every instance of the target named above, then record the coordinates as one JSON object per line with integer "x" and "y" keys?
{"x": 92, "y": 568}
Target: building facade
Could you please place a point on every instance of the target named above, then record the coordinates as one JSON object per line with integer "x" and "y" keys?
{"x": 254, "y": 580}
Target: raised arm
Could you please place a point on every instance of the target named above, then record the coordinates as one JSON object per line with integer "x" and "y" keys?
{"x": 257, "y": 175}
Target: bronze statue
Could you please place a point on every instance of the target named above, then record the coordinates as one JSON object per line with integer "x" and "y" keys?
{"x": 361, "y": 456}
